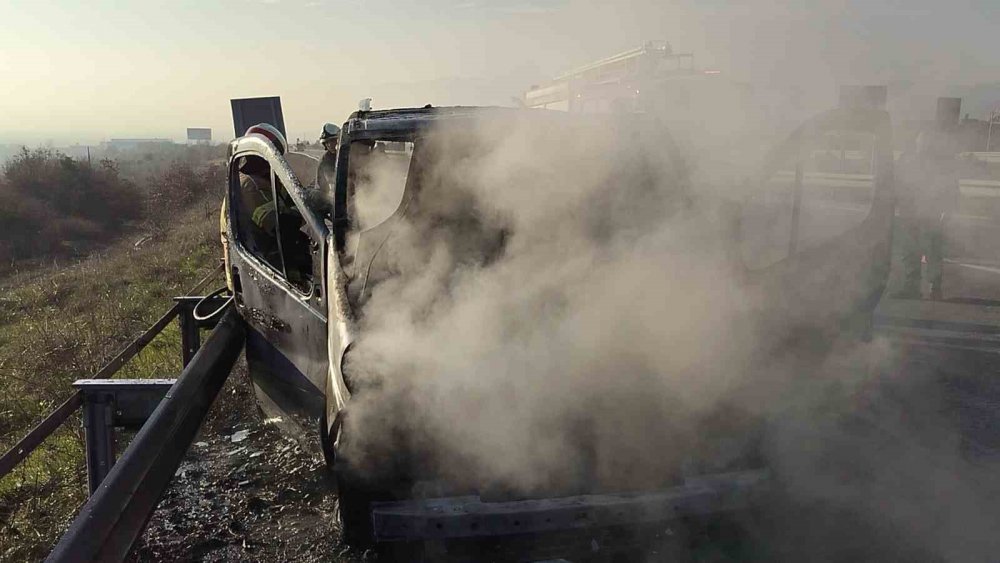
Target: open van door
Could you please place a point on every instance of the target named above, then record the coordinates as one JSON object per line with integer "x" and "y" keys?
{"x": 816, "y": 238}
{"x": 278, "y": 282}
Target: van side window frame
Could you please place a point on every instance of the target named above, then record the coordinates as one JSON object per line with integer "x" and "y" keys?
{"x": 317, "y": 232}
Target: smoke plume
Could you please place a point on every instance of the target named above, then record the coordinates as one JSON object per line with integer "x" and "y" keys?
{"x": 557, "y": 310}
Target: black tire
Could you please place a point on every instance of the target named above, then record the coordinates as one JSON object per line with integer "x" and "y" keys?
{"x": 354, "y": 499}
{"x": 354, "y": 512}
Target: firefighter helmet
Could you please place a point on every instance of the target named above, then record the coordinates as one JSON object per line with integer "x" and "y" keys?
{"x": 330, "y": 131}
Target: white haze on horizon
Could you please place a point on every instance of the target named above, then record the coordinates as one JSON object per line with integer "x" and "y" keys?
{"x": 85, "y": 72}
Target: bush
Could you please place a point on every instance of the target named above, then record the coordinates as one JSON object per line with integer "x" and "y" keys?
{"x": 179, "y": 186}
{"x": 54, "y": 205}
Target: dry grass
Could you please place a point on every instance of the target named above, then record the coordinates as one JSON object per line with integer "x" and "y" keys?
{"x": 58, "y": 324}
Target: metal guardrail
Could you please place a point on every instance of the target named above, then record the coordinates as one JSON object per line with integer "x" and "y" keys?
{"x": 968, "y": 187}
{"x": 189, "y": 343}
{"x": 989, "y": 157}
{"x": 139, "y": 343}
{"x": 167, "y": 414}
{"x": 111, "y": 522}
{"x": 968, "y": 325}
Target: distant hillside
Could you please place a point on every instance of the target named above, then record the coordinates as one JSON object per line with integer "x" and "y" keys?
{"x": 57, "y": 206}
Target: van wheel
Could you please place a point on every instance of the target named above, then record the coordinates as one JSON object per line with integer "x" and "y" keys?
{"x": 354, "y": 512}
{"x": 354, "y": 499}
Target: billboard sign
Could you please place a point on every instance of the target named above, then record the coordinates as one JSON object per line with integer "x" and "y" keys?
{"x": 201, "y": 134}
{"x": 251, "y": 111}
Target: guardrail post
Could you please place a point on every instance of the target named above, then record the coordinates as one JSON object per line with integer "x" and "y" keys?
{"x": 190, "y": 334}
{"x": 109, "y": 404}
{"x": 98, "y": 422}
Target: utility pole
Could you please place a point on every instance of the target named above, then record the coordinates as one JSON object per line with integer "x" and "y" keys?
{"x": 89, "y": 165}
{"x": 989, "y": 130}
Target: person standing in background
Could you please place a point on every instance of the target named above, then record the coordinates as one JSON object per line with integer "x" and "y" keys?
{"x": 330, "y": 138}
{"x": 927, "y": 193}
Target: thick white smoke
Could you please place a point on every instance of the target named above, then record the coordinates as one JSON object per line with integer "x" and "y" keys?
{"x": 558, "y": 311}
{"x": 552, "y": 293}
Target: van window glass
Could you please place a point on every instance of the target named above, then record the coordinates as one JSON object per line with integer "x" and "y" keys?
{"x": 377, "y": 172}
{"x": 838, "y": 186}
{"x": 818, "y": 195}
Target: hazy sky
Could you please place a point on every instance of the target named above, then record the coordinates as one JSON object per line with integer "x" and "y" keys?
{"x": 93, "y": 70}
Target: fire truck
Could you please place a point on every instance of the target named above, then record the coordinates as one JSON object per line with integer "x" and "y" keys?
{"x": 652, "y": 78}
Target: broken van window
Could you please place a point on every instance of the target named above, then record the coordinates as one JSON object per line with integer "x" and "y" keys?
{"x": 376, "y": 180}
{"x": 824, "y": 192}
{"x": 837, "y": 188}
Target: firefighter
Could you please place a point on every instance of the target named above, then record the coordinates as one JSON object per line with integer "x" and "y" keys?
{"x": 330, "y": 138}
{"x": 928, "y": 192}
{"x": 291, "y": 253}
{"x": 257, "y": 197}
{"x": 255, "y": 182}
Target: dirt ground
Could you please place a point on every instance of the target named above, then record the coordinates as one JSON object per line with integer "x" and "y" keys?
{"x": 245, "y": 492}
